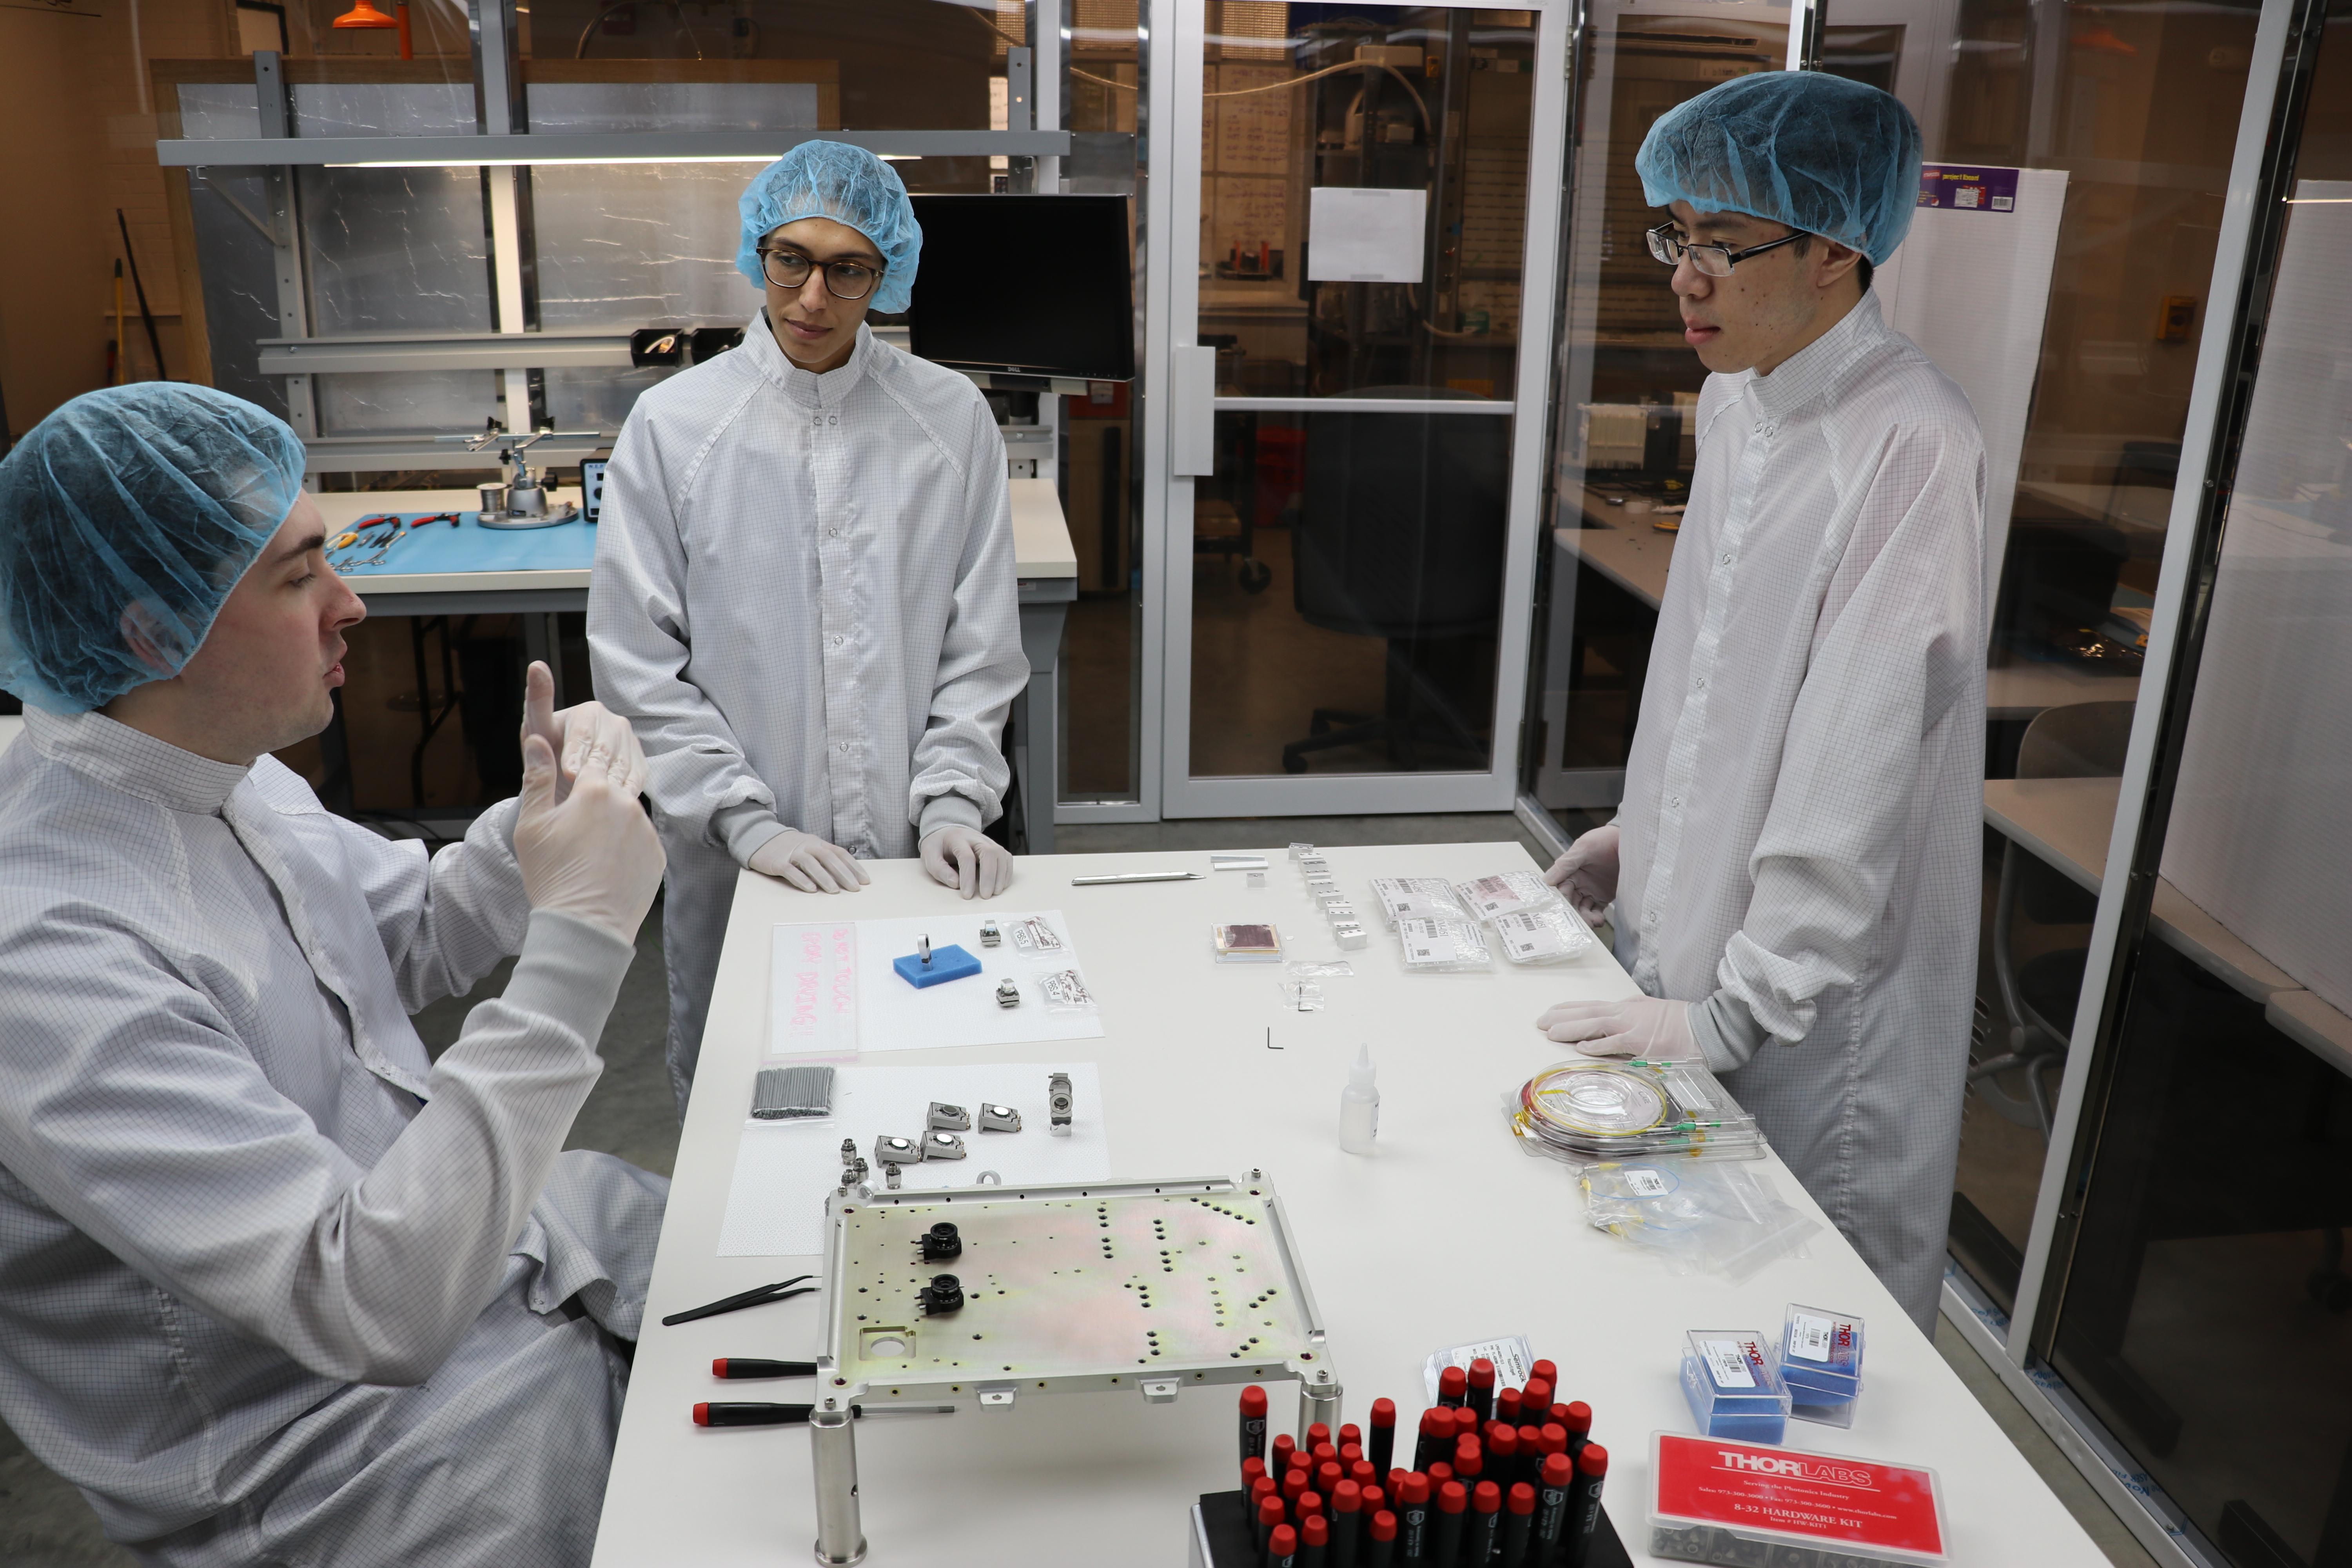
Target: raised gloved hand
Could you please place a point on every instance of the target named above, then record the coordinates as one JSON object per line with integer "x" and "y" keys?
{"x": 1586, "y": 875}
{"x": 967, "y": 858}
{"x": 590, "y": 851}
{"x": 809, "y": 863}
{"x": 577, "y": 730}
{"x": 1643, "y": 1027}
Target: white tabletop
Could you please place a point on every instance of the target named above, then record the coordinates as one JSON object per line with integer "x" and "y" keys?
{"x": 1449, "y": 1235}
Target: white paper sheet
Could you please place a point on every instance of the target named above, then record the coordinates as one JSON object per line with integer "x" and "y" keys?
{"x": 1366, "y": 235}
{"x": 775, "y": 1203}
{"x": 811, "y": 965}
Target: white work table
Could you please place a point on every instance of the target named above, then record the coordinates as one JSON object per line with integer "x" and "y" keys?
{"x": 1449, "y": 1235}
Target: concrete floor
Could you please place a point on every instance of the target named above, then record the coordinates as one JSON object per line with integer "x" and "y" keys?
{"x": 44, "y": 1524}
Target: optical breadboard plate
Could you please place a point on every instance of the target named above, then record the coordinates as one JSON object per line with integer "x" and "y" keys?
{"x": 1147, "y": 1286}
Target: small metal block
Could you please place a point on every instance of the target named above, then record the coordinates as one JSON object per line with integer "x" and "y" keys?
{"x": 996, "y": 1395}
{"x": 1299, "y": 852}
{"x": 890, "y": 1150}
{"x": 1159, "y": 1389}
{"x": 1061, "y": 1102}
{"x": 942, "y": 1146}
{"x": 1258, "y": 879}
{"x": 1350, "y": 936}
{"x": 999, "y": 1119}
{"x": 1314, "y": 866}
{"x": 1341, "y": 913}
{"x": 990, "y": 935}
{"x": 954, "y": 1117}
{"x": 1008, "y": 994}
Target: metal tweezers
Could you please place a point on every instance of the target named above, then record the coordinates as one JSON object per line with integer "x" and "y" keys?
{"x": 759, "y": 1295}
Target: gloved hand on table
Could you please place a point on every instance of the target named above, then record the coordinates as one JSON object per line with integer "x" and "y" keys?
{"x": 591, "y": 854}
{"x": 1643, "y": 1027}
{"x": 1586, "y": 875}
{"x": 967, "y": 858}
{"x": 809, "y": 863}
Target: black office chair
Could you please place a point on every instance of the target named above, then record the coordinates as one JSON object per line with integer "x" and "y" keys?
{"x": 1401, "y": 537}
{"x": 2082, "y": 740}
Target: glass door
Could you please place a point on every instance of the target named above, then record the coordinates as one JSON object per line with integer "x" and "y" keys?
{"x": 1355, "y": 435}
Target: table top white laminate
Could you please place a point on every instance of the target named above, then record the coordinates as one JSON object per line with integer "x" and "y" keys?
{"x": 1450, "y": 1234}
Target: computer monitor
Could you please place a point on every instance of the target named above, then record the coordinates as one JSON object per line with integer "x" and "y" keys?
{"x": 1026, "y": 285}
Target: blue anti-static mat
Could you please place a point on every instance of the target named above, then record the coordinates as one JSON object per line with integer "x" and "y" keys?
{"x": 469, "y": 547}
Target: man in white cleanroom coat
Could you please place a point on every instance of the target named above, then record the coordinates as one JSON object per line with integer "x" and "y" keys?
{"x": 805, "y": 595}
{"x": 274, "y": 1286}
{"x": 1795, "y": 864}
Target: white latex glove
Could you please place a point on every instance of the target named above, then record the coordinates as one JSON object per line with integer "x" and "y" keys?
{"x": 1586, "y": 875}
{"x": 809, "y": 863}
{"x": 592, "y": 853}
{"x": 967, "y": 859}
{"x": 576, "y": 731}
{"x": 1641, "y": 1027}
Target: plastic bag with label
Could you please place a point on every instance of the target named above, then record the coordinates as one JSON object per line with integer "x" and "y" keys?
{"x": 1700, "y": 1217}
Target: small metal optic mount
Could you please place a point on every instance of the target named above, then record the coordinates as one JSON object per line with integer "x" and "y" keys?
{"x": 990, "y": 935}
{"x": 890, "y": 1150}
{"x": 1058, "y": 1096}
{"x": 942, "y": 1146}
{"x": 954, "y": 1117}
{"x": 943, "y": 1294}
{"x": 1008, "y": 992}
{"x": 890, "y": 1177}
{"x": 923, "y": 947}
{"x": 999, "y": 1119}
{"x": 941, "y": 1241}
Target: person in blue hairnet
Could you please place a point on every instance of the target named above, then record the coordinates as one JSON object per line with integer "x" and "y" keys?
{"x": 274, "y": 1287}
{"x": 804, "y": 594}
{"x": 1794, "y": 865}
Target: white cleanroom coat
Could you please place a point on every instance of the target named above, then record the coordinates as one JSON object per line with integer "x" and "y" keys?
{"x": 274, "y": 1287}
{"x": 805, "y": 602}
{"x": 1801, "y": 854}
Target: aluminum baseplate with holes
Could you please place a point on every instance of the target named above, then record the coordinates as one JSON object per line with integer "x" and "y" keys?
{"x": 1149, "y": 1287}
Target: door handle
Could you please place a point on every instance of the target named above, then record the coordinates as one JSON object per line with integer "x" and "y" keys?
{"x": 1191, "y": 411}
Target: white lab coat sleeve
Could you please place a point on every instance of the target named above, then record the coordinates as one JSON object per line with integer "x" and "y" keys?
{"x": 959, "y": 772}
{"x": 446, "y": 920}
{"x": 131, "y": 1109}
{"x": 1899, "y": 635}
{"x": 640, "y": 640}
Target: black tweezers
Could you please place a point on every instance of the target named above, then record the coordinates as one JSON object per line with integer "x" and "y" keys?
{"x": 781, "y": 1290}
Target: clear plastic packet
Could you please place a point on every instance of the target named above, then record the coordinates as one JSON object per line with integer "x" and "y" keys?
{"x": 1034, "y": 936}
{"x": 1593, "y": 1109}
{"x": 1700, "y": 1217}
{"x": 1552, "y": 935}
{"x": 1302, "y": 995}
{"x": 1065, "y": 991}
{"x": 1309, "y": 971}
{"x": 1489, "y": 898}
{"x": 1417, "y": 899}
{"x": 1442, "y": 945}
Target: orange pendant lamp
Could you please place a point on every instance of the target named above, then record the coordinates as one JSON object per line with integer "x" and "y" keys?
{"x": 364, "y": 14}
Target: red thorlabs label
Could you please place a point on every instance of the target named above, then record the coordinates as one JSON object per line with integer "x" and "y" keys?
{"x": 1817, "y": 1497}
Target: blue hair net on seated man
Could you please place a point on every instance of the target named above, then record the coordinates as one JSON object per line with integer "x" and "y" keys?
{"x": 1815, "y": 152}
{"x": 849, "y": 185}
{"x": 141, "y": 504}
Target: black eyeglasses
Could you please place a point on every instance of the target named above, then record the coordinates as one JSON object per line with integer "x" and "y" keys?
{"x": 1715, "y": 260}
{"x": 842, "y": 280}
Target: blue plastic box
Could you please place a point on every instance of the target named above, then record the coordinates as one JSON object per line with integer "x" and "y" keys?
{"x": 1821, "y": 1361}
{"x": 1732, "y": 1386}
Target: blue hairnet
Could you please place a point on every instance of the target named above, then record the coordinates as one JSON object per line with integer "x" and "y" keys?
{"x": 1814, "y": 151}
{"x": 159, "y": 496}
{"x": 848, "y": 184}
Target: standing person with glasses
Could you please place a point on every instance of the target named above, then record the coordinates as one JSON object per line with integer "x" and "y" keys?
{"x": 803, "y": 597}
{"x": 1794, "y": 866}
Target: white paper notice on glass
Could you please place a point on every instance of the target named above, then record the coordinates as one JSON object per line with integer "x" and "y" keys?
{"x": 1366, "y": 235}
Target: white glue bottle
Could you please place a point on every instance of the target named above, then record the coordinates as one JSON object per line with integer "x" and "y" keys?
{"x": 1359, "y": 1107}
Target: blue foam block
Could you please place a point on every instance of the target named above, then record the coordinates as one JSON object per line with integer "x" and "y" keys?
{"x": 949, "y": 963}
